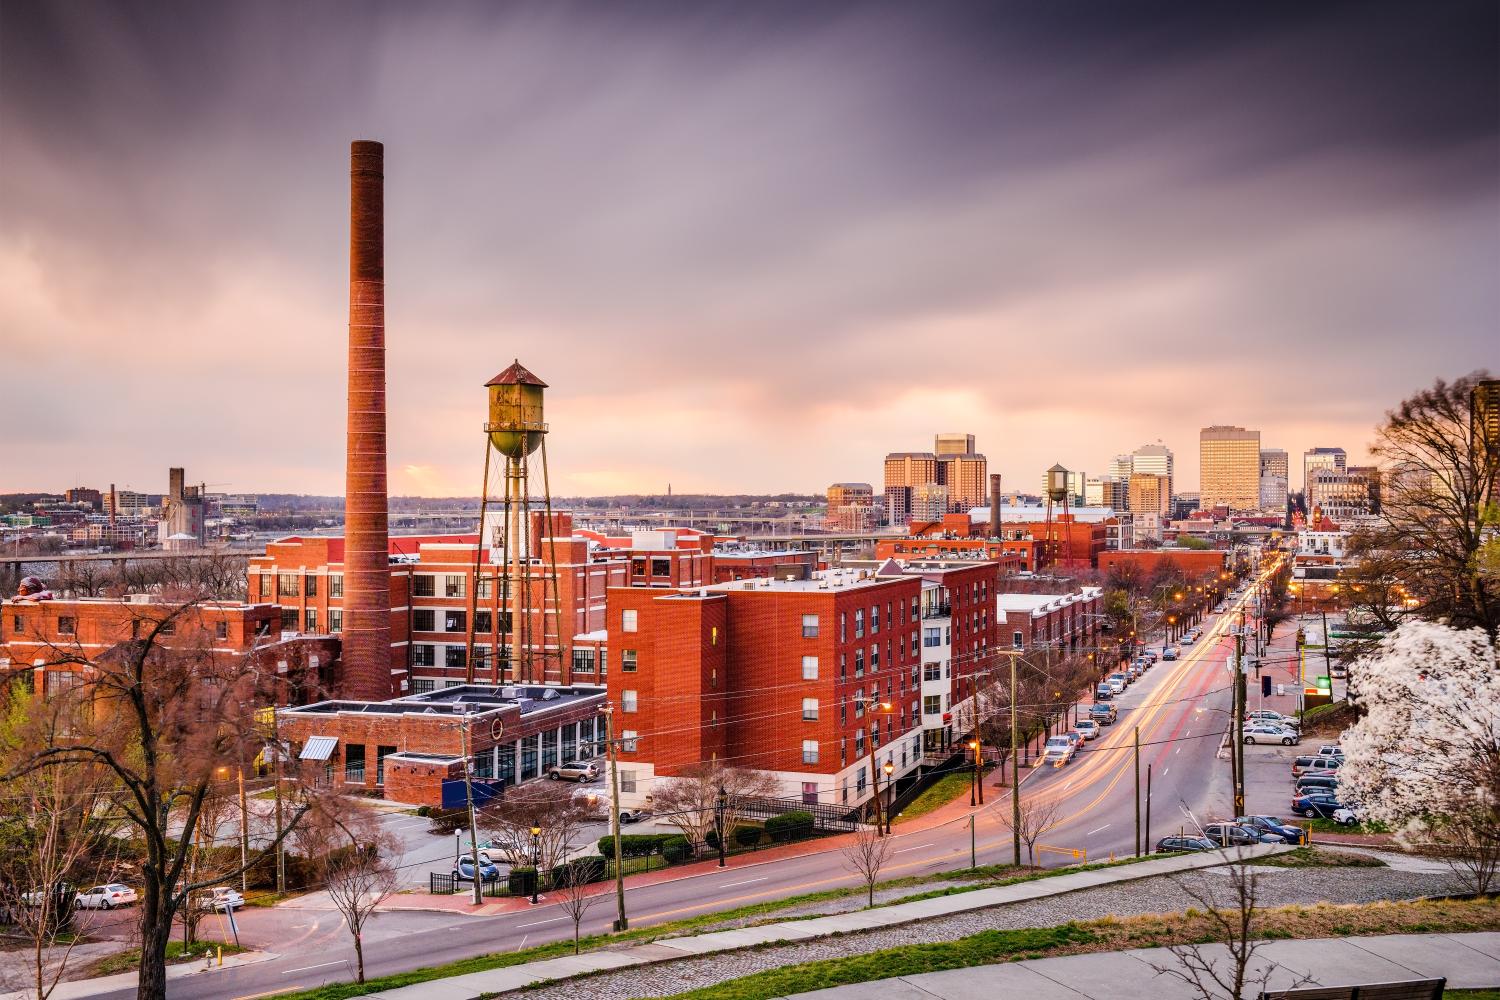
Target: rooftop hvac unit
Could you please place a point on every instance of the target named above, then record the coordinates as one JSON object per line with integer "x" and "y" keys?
{"x": 509, "y": 692}
{"x": 138, "y": 599}
{"x": 550, "y": 694}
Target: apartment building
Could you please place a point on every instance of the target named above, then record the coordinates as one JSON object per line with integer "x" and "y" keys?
{"x": 1059, "y": 623}
{"x": 1229, "y": 468}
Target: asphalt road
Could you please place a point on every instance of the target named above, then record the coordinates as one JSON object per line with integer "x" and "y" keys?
{"x": 1179, "y": 707}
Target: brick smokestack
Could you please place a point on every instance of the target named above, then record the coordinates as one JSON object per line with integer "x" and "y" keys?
{"x": 367, "y": 572}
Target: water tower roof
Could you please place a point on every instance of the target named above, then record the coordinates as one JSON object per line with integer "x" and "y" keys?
{"x": 1057, "y": 468}
{"x": 516, "y": 375}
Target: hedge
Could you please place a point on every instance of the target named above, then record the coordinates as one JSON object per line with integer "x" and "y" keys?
{"x": 634, "y": 845}
{"x": 588, "y": 868}
{"x": 676, "y": 849}
{"x": 790, "y": 825}
{"x": 747, "y": 836}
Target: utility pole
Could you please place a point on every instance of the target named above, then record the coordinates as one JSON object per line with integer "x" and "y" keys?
{"x": 281, "y": 843}
{"x": 608, "y": 711}
{"x": 1238, "y": 751}
{"x": 244, "y": 835}
{"x": 465, "y": 737}
{"x": 1015, "y": 771}
{"x": 1148, "y": 808}
{"x": 1137, "y": 791}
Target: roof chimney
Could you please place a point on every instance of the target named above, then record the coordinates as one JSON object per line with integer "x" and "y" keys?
{"x": 367, "y": 573}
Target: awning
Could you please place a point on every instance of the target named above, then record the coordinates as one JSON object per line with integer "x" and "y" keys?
{"x": 319, "y": 748}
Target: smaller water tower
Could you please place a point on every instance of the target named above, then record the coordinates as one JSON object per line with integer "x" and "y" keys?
{"x": 1057, "y": 492}
{"x": 516, "y": 429}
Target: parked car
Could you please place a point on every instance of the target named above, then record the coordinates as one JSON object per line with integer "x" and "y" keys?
{"x": 1310, "y": 781}
{"x": 1320, "y": 804}
{"x": 1345, "y": 816}
{"x": 1274, "y": 718}
{"x": 221, "y": 898}
{"x": 1117, "y": 683}
{"x": 1150, "y": 655}
{"x": 574, "y": 770}
{"x": 1270, "y": 824}
{"x": 1169, "y": 654}
{"x": 107, "y": 897}
{"x": 464, "y": 871}
{"x": 1088, "y": 727}
{"x": 633, "y": 815}
{"x": 1169, "y": 845}
{"x": 1267, "y": 733}
{"x": 1312, "y": 762}
{"x": 36, "y": 896}
{"x": 1103, "y": 713}
{"x": 1104, "y": 692}
{"x": 1057, "y": 752}
{"x": 1234, "y": 835}
{"x": 1331, "y": 750}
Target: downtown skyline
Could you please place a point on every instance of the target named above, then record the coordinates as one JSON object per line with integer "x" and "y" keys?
{"x": 749, "y": 264}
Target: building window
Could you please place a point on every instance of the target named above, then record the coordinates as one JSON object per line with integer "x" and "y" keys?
{"x": 627, "y": 661}
{"x": 809, "y": 751}
{"x": 421, "y": 685}
{"x": 809, "y": 668}
{"x": 915, "y": 613}
{"x": 424, "y": 585}
{"x": 627, "y": 701}
{"x": 310, "y": 586}
{"x": 1015, "y": 640}
{"x": 265, "y": 585}
{"x": 453, "y": 586}
{"x": 310, "y": 620}
{"x": 809, "y": 709}
{"x": 221, "y": 630}
{"x": 661, "y": 567}
{"x": 335, "y": 620}
{"x": 288, "y": 619}
{"x": 932, "y": 637}
{"x": 627, "y": 742}
{"x": 932, "y": 704}
{"x": 483, "y": 587}
{"x": 627, "y": 778}
{"x": 627, "y": 621}
{"x": 335, "y": 585}
{"x": 874, "y": 658}
{"x": 583, "y": 661}
{"x": 874, "y": 618}
{"x": 843, "y": 667}
{"x": 423, "y": 654}
{"x": 843, "y": 626}
{"x": 859, "y": 663}
{"x": 455, "y": 621}
{"x": 453, "y": 656}
{"x": 424, "y": 620}
{"x": 61, "y": 680}
{"x": 932, "y": 672}
{"x": 484, "y": 621}
{"x": 67, "y": 626}
{"x": 286, "y": 585}
{"x": 809, "y": 626}
{"x": 859, "y": 623}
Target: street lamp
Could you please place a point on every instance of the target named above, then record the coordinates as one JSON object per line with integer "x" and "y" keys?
{"x": 536, "y": 862}
{"x": 978, "y": 779}
{"x": 720, "y": 804}
{"x": 890, "y": 786}
{"x": 886, "y": 708}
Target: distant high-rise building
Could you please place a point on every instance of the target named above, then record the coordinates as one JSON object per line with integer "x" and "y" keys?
{"x": 1093, "y": 491}
{"x": 1273, "y": 492}
{"x": 82, "y": 494}
{"x": 1484, "y": 431}
{"x": 1274, "y": 462}
{"x": 851, "y": 507}
{"x": 844, "y": 494}
{"x": 953, "y": 444}
{"x": 1121, "y": 466}
{"x": 904, "y": 471}
{"x": 1229, "y": 468}
{"x": 1155, "y": 460}
{"x": 1149, "y": 494}
{"x": 967, "y": 478}
{"x": 929, "y": 502}
{"x": 1343, "y": 493}
{"x": 1321, "y": 458}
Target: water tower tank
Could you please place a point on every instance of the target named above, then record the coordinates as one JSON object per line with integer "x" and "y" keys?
{"x": 1057, "y": 483}
{"x": 517, "y": 421}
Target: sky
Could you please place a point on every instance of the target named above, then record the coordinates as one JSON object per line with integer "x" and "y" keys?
{"x": 751, "y": 247}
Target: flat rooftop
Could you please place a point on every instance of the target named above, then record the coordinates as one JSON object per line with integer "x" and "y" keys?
{"x": 461, "y": 699}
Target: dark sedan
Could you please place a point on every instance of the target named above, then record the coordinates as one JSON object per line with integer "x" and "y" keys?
{"x": 1321, "y": 805}
{"x": 1171, "y": 845}
{"x": 1270, "y": 824}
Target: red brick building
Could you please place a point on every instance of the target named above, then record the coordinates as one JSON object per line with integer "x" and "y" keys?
{"x": 1193, "y": 562}
{"x": 781, "y": 676}
{"x": 1063, "y": 623}
{"x": 1010, "y": 555}
{"x": 35, "y": 636}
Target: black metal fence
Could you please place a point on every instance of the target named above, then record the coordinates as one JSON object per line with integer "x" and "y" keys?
{"x": 825, "y": 816}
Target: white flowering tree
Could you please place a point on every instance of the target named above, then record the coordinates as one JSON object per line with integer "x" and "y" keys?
{"x": 1425, "y": 757}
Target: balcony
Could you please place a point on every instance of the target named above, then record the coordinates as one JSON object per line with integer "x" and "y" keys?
{"x": 938, "y": 611}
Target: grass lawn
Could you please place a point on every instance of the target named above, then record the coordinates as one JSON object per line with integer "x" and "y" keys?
{"x": 129, "y": 961}
{"x": 943, "y": 791}
{"x": 1329, "y": 826}
{"x": 1106, "y": 934}
{"x": 1321, "y": 857}
{"x": 1472, "y": 994}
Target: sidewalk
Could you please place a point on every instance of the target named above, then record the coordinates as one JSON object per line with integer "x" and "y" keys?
{"x": 79, "y": 988}
{"x": 1467, "y": 961}
{"x": 478, "y": 984}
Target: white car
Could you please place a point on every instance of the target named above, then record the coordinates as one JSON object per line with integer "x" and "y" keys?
{"x": 1058, "y": 751}
{"x": 223, "y": 898}
{"x": 1267, "y": 733}
{"x": 1117, "y": 683}
{"x": 1088, "y": 727}
{"x": 107, "y": 897}
{"x": 1268, "y": 717}
{"x": 1345, "y": 817}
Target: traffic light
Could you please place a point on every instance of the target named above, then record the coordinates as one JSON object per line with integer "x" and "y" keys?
{"x": 1265, "y": 685}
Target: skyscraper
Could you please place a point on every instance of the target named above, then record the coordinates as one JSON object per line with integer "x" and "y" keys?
{"x": 1149, "y": 494}
{"x": 1274, "y": 462}
{"x": 1155, "y": 460}
{"x": 1321, "y": 458}
{"x": 1229, "y": 468}
{"x": 953, "y": 444}
{"x": 905, "y": 470}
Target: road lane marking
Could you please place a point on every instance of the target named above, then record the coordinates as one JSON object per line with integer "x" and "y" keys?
{"x": 1164, "y": 771}
{"x": 1094, "y": 831}
{"x": 905, "y": 849}
{"x": 747, "y": 881}
{"x": 1178, "y": 750}
{"x": 309, "y": 968}
{"x": 538, "y": 923}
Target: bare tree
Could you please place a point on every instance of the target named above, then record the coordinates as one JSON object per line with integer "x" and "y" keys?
{"x": 547, "y": 807}
{"x": 1037, "y": 817}
{"x": 351, "y": 858}
{"x": 160, "y": 712}
{"x": 209, "y": 859}
{"x": 573, "y": 891}
{"x": 56, "y": 826}
{"x": 1470, "y": 847}
{"x": 690, "y": 800}
{"x": 866, "y": 856}
{"x": 1232, "y": 920}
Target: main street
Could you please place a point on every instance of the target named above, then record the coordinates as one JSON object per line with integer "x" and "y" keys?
{"x": 1179, "y": 707}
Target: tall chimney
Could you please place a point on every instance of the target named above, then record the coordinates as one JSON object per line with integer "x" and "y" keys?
{"x": 367, "y": 571}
